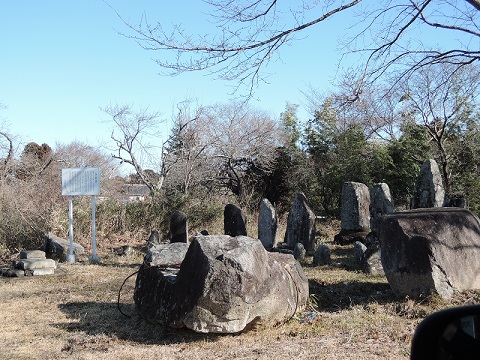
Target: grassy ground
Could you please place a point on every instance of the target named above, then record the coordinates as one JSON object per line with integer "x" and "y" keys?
{"x": 74, "y": 315}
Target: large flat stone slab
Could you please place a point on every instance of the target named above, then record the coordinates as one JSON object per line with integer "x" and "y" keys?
{"x": 435, "y": 250}
{"x": 32, "y": 254}
{"x": 33, "y": 264}
{"x": 40, "y": 272}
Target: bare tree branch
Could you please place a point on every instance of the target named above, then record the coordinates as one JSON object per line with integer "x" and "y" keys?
{"x": 250, "y": 32}
{"x": 238, "y": 53}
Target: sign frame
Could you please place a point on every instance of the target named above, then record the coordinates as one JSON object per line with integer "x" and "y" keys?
{"x": 81, "y": 181}
{"x": 78, "y": 182}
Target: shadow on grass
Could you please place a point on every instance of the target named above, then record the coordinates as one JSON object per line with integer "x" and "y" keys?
{"x": 341, "y": 258}
{"x": 101, "y": 318}
{"x": 343, "y": 295}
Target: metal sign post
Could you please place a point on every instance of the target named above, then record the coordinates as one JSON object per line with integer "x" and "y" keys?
{"x": 81, "y": 181}
{"x": 70, "y": 255}
{"x": 94, "y": 256}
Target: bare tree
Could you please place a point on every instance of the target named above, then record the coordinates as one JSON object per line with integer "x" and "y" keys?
{"x": 6, "y": 146}
{"x": 250, "y": 32}
{"x": 187, "y": 147}
{"x": 132, "y": 136}
{"x": 8, "y": 159}
{"x": 243, "y": 143}
{"x": 442, "y": 103}
{"x": 35, "y": 159}
{"x": 374, "y": 112}
{"x": 220, "y": 147}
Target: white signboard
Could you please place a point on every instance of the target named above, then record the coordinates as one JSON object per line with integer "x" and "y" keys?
{"x": 81, "y": 181}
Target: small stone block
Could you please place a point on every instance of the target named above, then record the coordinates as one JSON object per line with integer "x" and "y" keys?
{"x": 45, "y": 271}
{"x": 33, "y": 264}
{"x": 32, "y": 254}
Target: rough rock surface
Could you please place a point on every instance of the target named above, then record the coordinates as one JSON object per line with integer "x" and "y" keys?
{"x": 429, "y": 191}
{"x": 300, "y": 224}
{"x": 355, "y": 213}
{"x": 267, "y": 224}
{"x": 224, "y": 285}
{"x": 167, "y": 254}
{"x": 322, "y": 256}
{"x": 57, "y": 248}
{"x": 434, "y": 250}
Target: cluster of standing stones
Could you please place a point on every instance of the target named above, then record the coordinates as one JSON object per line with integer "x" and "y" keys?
{"x": 227, "y": 283}
{"x": 433, "y": 248}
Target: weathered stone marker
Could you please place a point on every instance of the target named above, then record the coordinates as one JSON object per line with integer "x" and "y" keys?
{"x": 429, "y": 191}
{"x": 267, "y": 224}
{"x": 234, "y": 221}
{"x": 322, "y": 255}
{"x": 435, "y": 250}
{"x": 178, "y": 227}
{"x": 31, "y": 263}
{"x": 300, "y": 224}
{"x": 381, "y": 202}
{"x": 355, "y": 213}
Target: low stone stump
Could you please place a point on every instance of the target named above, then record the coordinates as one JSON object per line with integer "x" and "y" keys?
{"x": 434, "y": 250}
{"x": 372, "y": 261}
{"x": 322, "y": 256}
{"x": 224, "y": 285}
{"x": 31, "y": 263}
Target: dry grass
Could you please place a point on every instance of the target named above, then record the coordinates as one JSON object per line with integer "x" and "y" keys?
{"x": 74, "y": 315}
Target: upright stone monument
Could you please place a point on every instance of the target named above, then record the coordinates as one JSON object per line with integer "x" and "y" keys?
{"x": 234, "y": 221}
{"x": 355, "y": 213}
{"x": 178, "y": 227}
{"x": 300, "y": 224}
{"x": 381, "y": 202}
{"x": 267, "y": 224}
{"x": 429, "y": 191}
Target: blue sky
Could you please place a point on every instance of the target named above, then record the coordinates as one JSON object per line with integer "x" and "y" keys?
{"x": 62, "y": 61}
